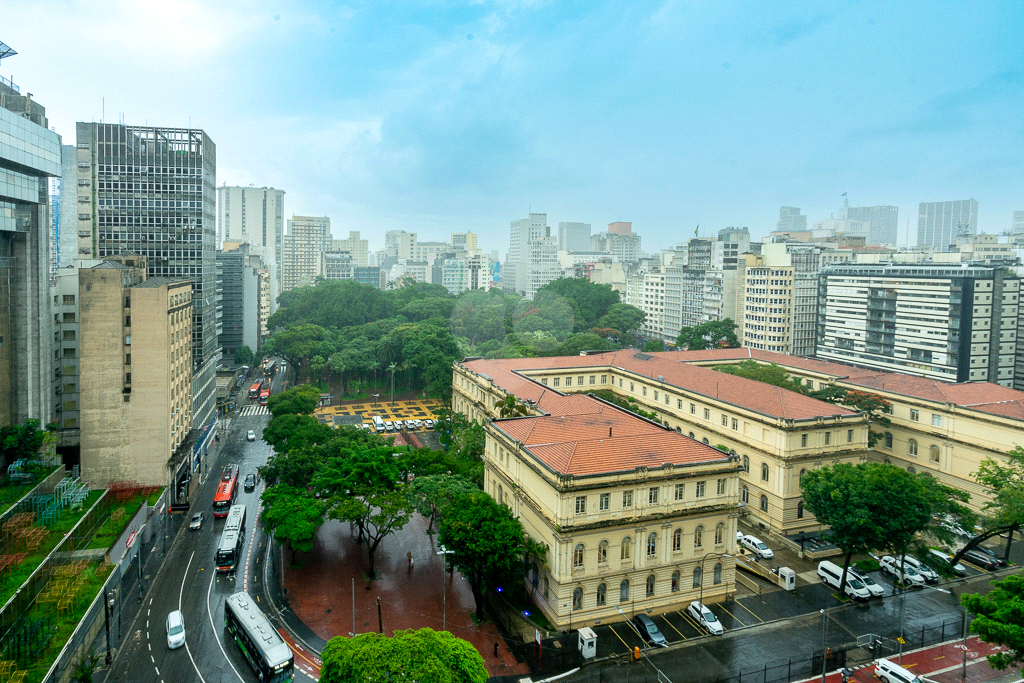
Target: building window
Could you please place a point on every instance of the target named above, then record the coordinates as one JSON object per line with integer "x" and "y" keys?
{"x": 803, "y": 441}
{"x": 546, "y": 585}
{"x": 707, "y": 413}
{"x": 800, "y": 510}
{"x": 698, "y": 537}
{"x": 604, "y": 502}
{"x": 725, "y": 420}
{"x": 556, "y": 381}
{"x": 568, "y": 381}
{"x": 577, "y": 599}
{"x": 680, "y": 491}
{"x": 644, "y": 390}
{"x": 127, "y": 397}
{"x": 705, "y": 441}
{"x": 911, "y": 470}
{"x": 581, "y": 505}
{"x": 915, "y": 416}
{"x": 699, "y": 489}
{"x": 675, "y": 582}
{"x": 579, "y": 381}
{"x": 936, "y": 420}
{"x": 888, "y": 440}
{"x": 735, "y": 423}
{"x": 627, "y": 499}
{"x": 650, "y": 586}
{"x": 691, "y": 435}
{"x": 912, "y": 447}
{"x": 69, "y": 335}
{"x": 764, "y": 503}
{"x": 828, "y": 438}
{"x": 624, "y": 591}
{"x": 746, "y": 463}
{"x": 544, "y": 381}
{"x": 693, "y": 409}
{"x": 655, "y": 394}
{"x": 70, "y": 423}
{"x": 652, "y": 544}
{"x": 620, "y": 383}
{"x": 69, "y": 300}
{"x": 933, "y": 454}
{"x": 128, "y": 378}
{"x": 604, "y": 379}
{"x": 744, "y": 494}
{"x": 577, "y": 556}
{"x": 697, "y": 577}
{"x": 625, "y": 548}
{"x": 679, "y": 404}
{"x": 593, "y": 379}
{"x": 849, "y": 436}
{"x": 69, "y": 317}
{"x": 719, "y": 533}
{"x": 632, "y": 388}
{"x": 717, "y": 576}
{"x": 764, "y": 471}
{"x": 602, "y": 552}
{"x": 721, "y": 487}
{"x": 677, "y": 540}
{"x": 602, "y": 594}
{"x": 652, "y": 495}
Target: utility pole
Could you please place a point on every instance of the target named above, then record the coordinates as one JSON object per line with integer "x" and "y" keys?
{"x": 824, "y": 647}
{"x": 963, "y": 646}
{"x": 106, "y": 624}
{"x": 380, "y": 619}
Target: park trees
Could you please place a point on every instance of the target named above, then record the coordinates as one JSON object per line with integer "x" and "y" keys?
{"x": 432, "y": 493}
{"x": 621, "y": 317}
{"x": 243, "y": 355}
{"x": 292, "y": 515}
{"x": 999, "y": 618}
{"x": 653, "y": 346}
{"x": 547, "y": 312}
{"x": 23, "y": 441}
{"x": 714, "y": 334}
{"x": 302, "y": 400}
{"x": 1004, "y": 482}
{"x": 423, "y": 655}
{"x": 479, "y": 315}
{"x": 589, "y": 301}
{"x": 333, "y": 303}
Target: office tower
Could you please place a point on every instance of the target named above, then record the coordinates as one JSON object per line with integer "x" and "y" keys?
{"x": 735, "y": 241}
{"x": 943, "y": 322}
{"x": 883, "y": 221}
{"x": 66, "y": 231}
{"x": 1017, "y": 229}
{"x": 358, "y": 248}
{"x": 465, "y": 240}
{"x": 940, "y": 223}
{"x": 308, "y": 237}
{"x": 254, "y": 215}
{"x": 136, "y": 394}
{"x": 625, "y": 248}
{"x": 791, "y": 220}
{"x": 621, "y": 228}
{"x": 400, "y": 245}
{"x": 151, "y": 191}
{"x": 243, "y": 280}
{"x": 470, "y": 272}
{"x": 30, "y": 155}
{"x": 574, "y": 236}
{"x": 515, "y": 275}
{"x": 66, "y": 352}
{"x": 544, "y": 266}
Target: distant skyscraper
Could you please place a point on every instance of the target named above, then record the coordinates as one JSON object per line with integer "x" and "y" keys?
{"x": 254, "y": 215}
{"x": 883, "y": 221}
{"x": 939, "y": 223}
{"x": 620, "y": 228}
{"x": 791, "y": 219}
{"x": 358, "y": 248}
{"x": 515, "y": 276}
{"x": 465, "y": 240}
{"x": 308, "y": 237}
{"x": 574, "y": 236}
{"x": 1018, "y": 225}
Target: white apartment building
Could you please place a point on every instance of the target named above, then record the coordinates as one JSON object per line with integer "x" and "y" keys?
{"x": 308, "y": 237}
{"x": 516, "y": 272}
{"x": 470, "y": 272}
{"x": 543, "y": 264}
{"x": 358, "y": 248}
{"x": 768, "y": 308}
{"x": 646, "y": 291}
{"x": 254, "y": 215}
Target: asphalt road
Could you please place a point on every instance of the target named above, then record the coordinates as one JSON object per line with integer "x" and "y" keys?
{"x": 190, "y": 582}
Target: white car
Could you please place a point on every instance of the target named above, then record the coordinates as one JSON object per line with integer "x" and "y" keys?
{"x": 891, "y": 565}
{"x": 757, "y": 546}
{"x": 389, "y": 426}
{"x": 175, "y": 630}
{"x": 251, "y": 436}
{"x": 429, "y": 424}
{"x": 705, "y": 618}
{"x": 870, "y": 584}
{"x": 921, "y": 568}
{"x": 941, "y": 557}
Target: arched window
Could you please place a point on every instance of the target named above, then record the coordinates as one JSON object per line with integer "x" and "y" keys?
{"x": 911, "y": 470}
{"x": 577, "y": 599}
{"x": 764, "y": 471}
{"x": 677, "y": 540}
{"x": 501, "y": 494}
{"x": 706, "y": 442}
{"x": 912, "y": 447}
{"x": 698, "y": 536}
{"x": 719, "y": 533}
{"x": 675, "y": 581}
{"x": 697, "y": 577}
{"x": 764, "y": 503}
{"x": 802, "y": 473}
{"x": 933, "y": 454}
{"x": 624, "y": 551}
{"x": 650, "y": 586}
{"x": 746, "y": 463}
{"x": 679, "y": 430}
{"x": 800, "y": 510}
{"x": 691, "y": 435}
{"x": 624, "y": 591}
{"x": 577, "y": 556}
{"x": 602, "y": 594}
{"x": 602, "y": 552}
{"x": 652, "y": 544}
{"x": 745, "y": 494}
{"x": 717, "y": 577}
{"x": 888, "y": 439}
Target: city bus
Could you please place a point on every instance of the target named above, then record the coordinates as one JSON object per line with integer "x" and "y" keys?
{"x": 254, "y": 390}
{"x": 264, "y": 394}
{"x": 232, "y": 539}
{"x": 226, "y": 491}
{"x": 264, "y": 649}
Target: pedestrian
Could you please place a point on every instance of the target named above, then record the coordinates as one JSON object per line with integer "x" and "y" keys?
{"x": 845, "y": 673}
{"x": 409, "y": 555}
{"x": 495, "y": 649}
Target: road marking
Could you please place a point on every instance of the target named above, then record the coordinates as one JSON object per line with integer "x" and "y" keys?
{"x": 149, "y": 645}
{"x": 628, "y": 648}
{"x": 248, "y": 556}
{"x": 151, "y": 659}
{"x": 722, "y": 607}
{"x": 157, "y": 670}
{"x": 751, "y": 613}
{"x": 673, "y": 627}
{"x": 213, "y": 577}
{"x": 690, "y": 620}
{"x": 147, "y": 622}
{"x": 148, "y": 612}
{"x": 180, "y": 592}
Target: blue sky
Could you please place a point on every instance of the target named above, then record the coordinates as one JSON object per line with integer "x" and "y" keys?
{"x": 441, "y": 117}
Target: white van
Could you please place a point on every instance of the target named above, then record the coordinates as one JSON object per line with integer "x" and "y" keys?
{"x": 378, "y": 423}
{"x": 888, "y": 672}
{"x": 831, "y": 574}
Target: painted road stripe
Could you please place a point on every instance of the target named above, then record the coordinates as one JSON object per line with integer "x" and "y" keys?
{"x": 751, "y": 613}
{"x": 673, "y": 627}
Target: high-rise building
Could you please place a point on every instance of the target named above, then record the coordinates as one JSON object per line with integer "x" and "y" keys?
{"x": 66, "y": 383}
{"x": 946, "y": 322}
{"x": 242, "y": 280}
{"x": 152, "y": 191}
{"x": 544, "y": 266}
{"x": 940, "y": 223}
{"x": 400, "y": 245}
{"x": 623, "y": 247}
{"x": 254, "y": 215}
{"x": 1017, "y": 229}
{"x": 368, "y": 275}
{"x": 30, "y": 155}
{"x": 621, "y": 228}
{"x": 462, "y": 274}
{"x": 768, "y": 308}
{"x": 515, "y": 276}
{"x": 358, "y": 248}
{"x": 136, "y": 393}
{"x": 467, "y": 241}
{"x": 883, "y": 221}
{"x": 791, "y": 220}
{"x": 308, "y": 237}
{"x": 646, "y": 291}
{"x": 573, "y": 236}
{"x": 66, "y": 223}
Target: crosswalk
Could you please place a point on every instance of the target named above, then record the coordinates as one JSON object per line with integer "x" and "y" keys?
{"x": 254, "y": 410}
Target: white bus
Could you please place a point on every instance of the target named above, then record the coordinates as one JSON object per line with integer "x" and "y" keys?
{"x": 232, "y": 540}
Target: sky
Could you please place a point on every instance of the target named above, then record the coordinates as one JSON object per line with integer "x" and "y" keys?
{"x": 441, "y": 117}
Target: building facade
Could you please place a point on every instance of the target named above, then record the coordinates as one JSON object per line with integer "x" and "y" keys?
{"x": 308, "y": 237}
{"x": 623, "y": 247}
{"x": 883, "y": 221}
{"x": 358, "y": 248}
{"x": 791, "y": 220}
{"x": 515, "y": 275}
{"x": 573, "y": 236}
{"x": 940, "y": 223}
{"x": 254, "y": 215}
{"x": 244, "y": 286}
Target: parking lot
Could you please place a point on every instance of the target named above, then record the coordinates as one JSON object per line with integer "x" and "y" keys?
{"x": 363, "y": 413}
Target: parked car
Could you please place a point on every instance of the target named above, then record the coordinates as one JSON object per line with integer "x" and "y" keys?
{"x": 947, "y": 522}
{"x": 757, "y": 546}
{"x": 389, "y": 426}
{"x": 909, "y": 575}
{"x": 831, "y": 574}
{"x": 983, "y": 557}
{"x": 197, "y": 521}
{"x": 429, "y": 424}
{"x": 251, "y": 436}
{"x": 649, "y": 630}
{"x": 888, "y": 672}
{"x": 418, "y": 423}
{"x": 250, "y": 482}
{"x": 705, "y": 618}
{"x": 924, "y": 570}
{"x": 175, "y": 630}
{"x": 872, "y": 586}
{"x": 941, "y": 557}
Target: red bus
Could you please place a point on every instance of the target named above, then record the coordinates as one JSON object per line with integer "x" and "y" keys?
{"x": 254, "y": 390}
{"x": 264, "y": 395}
{"x": 226, "y": 491}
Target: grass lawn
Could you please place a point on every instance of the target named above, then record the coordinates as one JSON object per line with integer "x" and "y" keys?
{"x": 108, "y": 533}
{"x": 9, "y": 584}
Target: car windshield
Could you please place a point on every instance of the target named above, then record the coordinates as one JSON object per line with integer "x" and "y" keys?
{"x": 761, "y": 546}
{"x": 196, "y": 518}
{"x": 708, "y": 615}
{"x": 910, "y": 571}
{"x": 652, "y": 628}
{"x": 867, "y": 580}
{"x": 176, "y": 629}
{"x": 855, "y": 584}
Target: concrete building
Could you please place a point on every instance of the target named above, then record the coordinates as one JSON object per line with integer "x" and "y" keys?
{"x": 254, "y": 215}
{"x": 67, "y": 355}
{"x": 244, "y": 281}
{"x": 574, "y": 237}
{"x": 66, "y": 223}
{"x": 307, "y": 238}
{"x": 646, "y": 290}
{"x": 621, "y": 228}
{"x": 735, "y": 241}
{"x": 940, "y": 223}
{"x": 532, "y": 258}
{"x": 768, "y": 308}
{"x": 400, "y": 245}
{"x": 151, "y": 191}
{"x": 791, "y": 220}
{"x": 684, "y": 300}
{"x": 136, "y": 384}
{"x": 467, "y": 241}
{"x": 953, "y": 323}
{"x": 337, "y": 265}
{"x": 368, "y": 275}
{"x": 462, "y": 274}
{"x": 544, "y": 266}
{"x": 883, "y": 221}
{"x": 623, "y": 247}
{"x": 358, "y": 248}
{"x": 985, "y": 248}
{"x": 1017, "y": 228}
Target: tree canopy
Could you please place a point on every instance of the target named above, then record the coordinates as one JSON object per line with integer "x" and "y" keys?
{"x": 588, "y": 301}
{"x": 243, "y": 355}
{"x": 714, "y": 334}
{"x": 423, "y": 655}
{"x": 999, "y": 618}
{"x": 333, "y": 303}
{"x": 302, "y": 400}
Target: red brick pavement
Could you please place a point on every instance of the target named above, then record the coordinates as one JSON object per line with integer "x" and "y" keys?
{"x": 320, "y": 593}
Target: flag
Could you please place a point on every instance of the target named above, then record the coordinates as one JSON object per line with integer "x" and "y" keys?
{"x": 843, "y": 194}
{"x": 696, "y": 230}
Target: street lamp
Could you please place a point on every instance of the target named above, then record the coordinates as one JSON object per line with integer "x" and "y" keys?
{"x": 442, "y": 551}
{"x": 392, "y": 369}
{"x": 375, "y": 397}
{"x": 706, "y": 556}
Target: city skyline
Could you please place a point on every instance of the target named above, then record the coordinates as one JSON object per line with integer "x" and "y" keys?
{"x": 416, "y": 121}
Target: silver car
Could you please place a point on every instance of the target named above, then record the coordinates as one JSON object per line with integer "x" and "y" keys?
{"x": 175, "y": 630}
{"x": 705, "y": 618}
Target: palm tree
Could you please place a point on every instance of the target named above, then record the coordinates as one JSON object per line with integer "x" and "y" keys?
{"x": 510, "y": 406}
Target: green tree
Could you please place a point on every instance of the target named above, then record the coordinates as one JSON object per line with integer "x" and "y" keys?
{"x": 589, "y": 301}
{"x": 999, "y": 618}
{"x": 21, "y": 441}
{"x": 289, "y": 432}
{"x": 582, "y": 341}
{"x": 292, "y": 515}
{"x": 487, "y": 541}
{"x": 1004, "y": 512}
{"x": 479, "y": 315}
{"x": 334, "y": 303}
{"x": 423, "y": 655}
{"x": 300, "y": 343}
{"x": 547, "y": 312}
{"x": 430, "y": 494}
{"x": 301, "y": 400}
{"x": 773, "y": 374}
{"x": 654, "y": 346}
{"x": 511, "y": 406}
{"x": 621, "y": 317}
{"x": 714, "y": 334}
{"x": 243, "y": 355}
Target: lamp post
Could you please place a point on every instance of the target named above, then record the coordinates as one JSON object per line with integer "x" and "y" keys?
{"x": 442, "y": 551}
{"x": 391, "y": 368}
{"x": 706, "y": 556}
{"x": 375, "y": 397}
{"x": 824, "y": 647}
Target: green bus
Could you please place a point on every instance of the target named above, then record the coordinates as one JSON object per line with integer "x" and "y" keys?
{"x": 264, "y": 649}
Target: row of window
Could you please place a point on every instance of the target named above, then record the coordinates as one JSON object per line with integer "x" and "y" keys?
{"x": 933, "y": 450}
{"x": 649, "y": 590}
{"x": 625, "y": 548}
{"x": 653, "y": 496}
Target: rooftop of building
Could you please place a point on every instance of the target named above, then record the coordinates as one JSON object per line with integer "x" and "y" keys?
{"x": 161, "y": 281}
